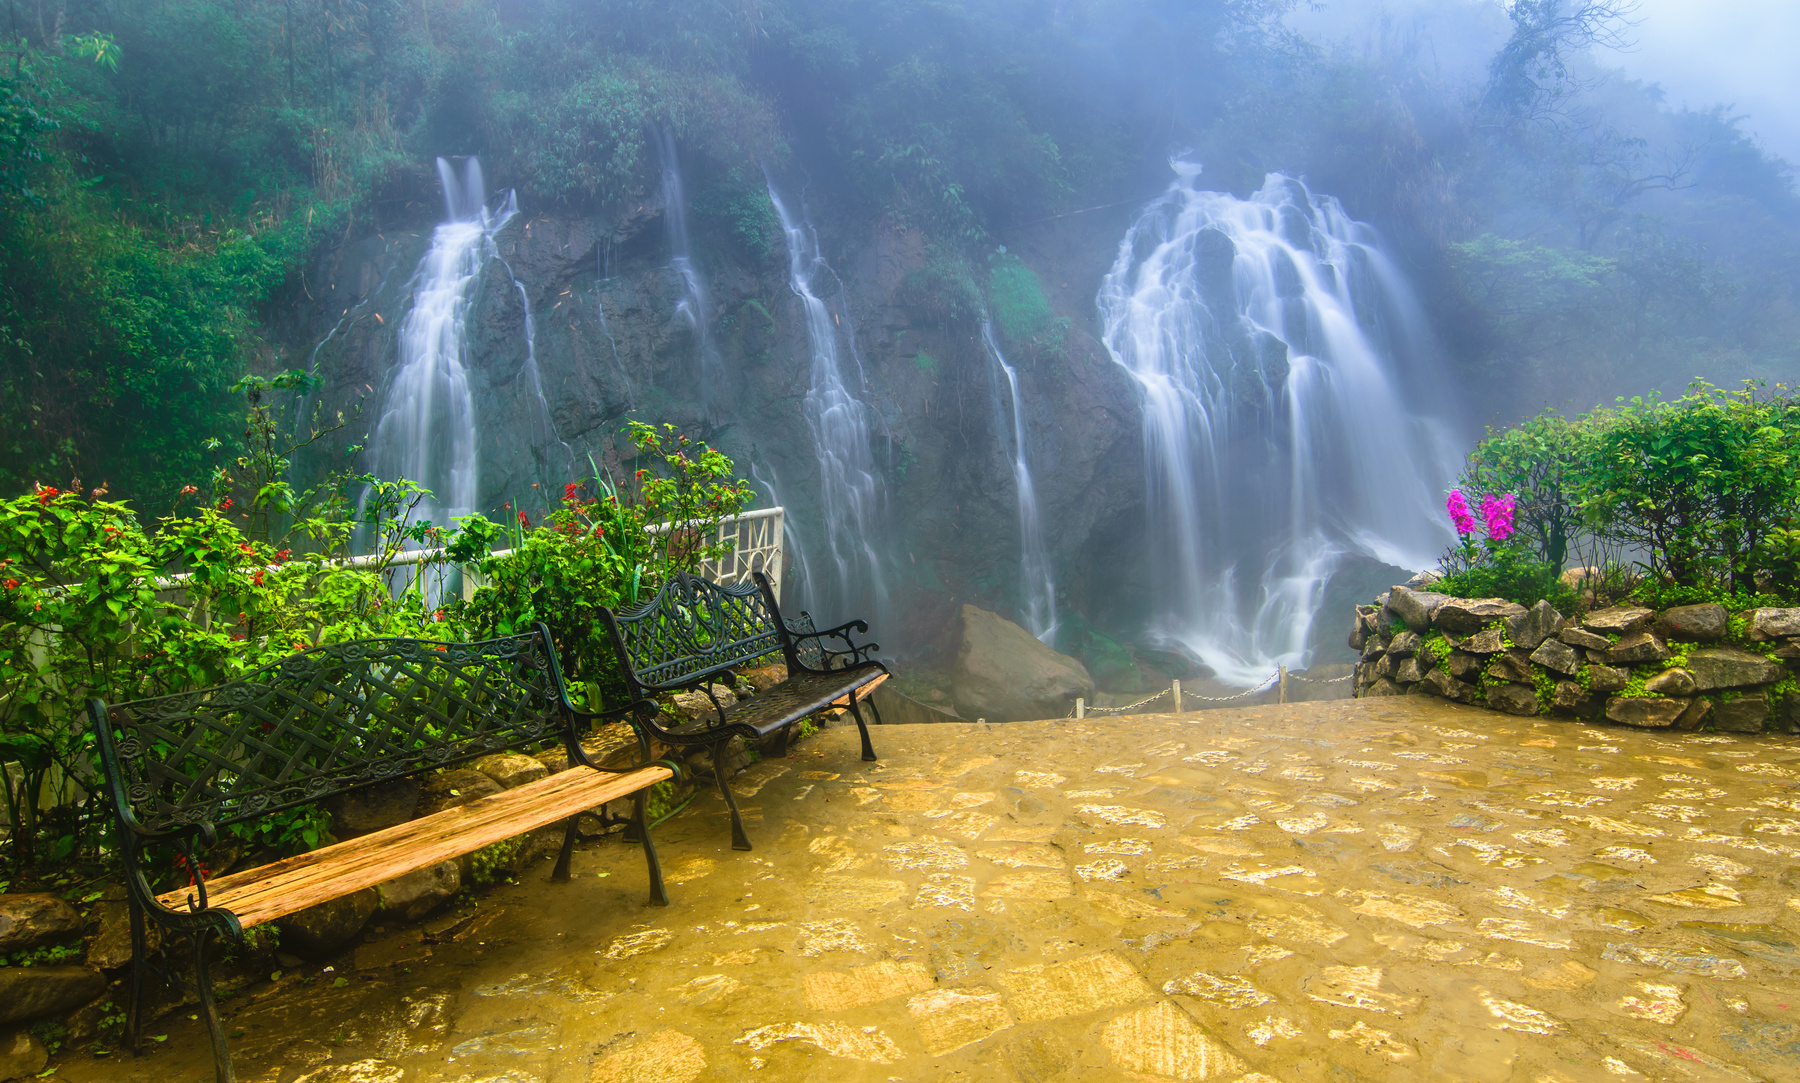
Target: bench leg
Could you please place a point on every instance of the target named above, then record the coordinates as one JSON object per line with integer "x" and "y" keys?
{"x": 856, "y": 713}
{"x": 739, "y": 840}
{"x": 561, "y": 873}
{"x": 659, "y": 895}
{"x": 203, "y": 988}
{"x": 140, "y": 971}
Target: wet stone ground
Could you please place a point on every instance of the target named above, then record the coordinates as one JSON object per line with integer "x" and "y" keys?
{"x": 1386, "y": 889}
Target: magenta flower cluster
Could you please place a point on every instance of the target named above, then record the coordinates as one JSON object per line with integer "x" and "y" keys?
{"x": 1497, "y": 511}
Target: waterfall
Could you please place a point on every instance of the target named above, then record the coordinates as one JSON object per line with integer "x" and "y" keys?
{"x": 694, "y": 307}
{"x": 1036, "y": 583}
{"x": 426, "y": 428}
{"x": 1270, "y": 340}
{"x": 852, "y": 497}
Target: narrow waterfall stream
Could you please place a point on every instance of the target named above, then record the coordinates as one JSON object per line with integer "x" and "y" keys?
{"x": 1270, "y": 338}
{"x": 695, "y": 306}
{"x": 426, "y": 430}
{"x": 1037, "y": 586}
{"x": 852, "y": 498}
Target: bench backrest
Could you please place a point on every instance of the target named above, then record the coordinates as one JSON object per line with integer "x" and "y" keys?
{"x": 325, "y": 721}
{"x": 694, "y": 627}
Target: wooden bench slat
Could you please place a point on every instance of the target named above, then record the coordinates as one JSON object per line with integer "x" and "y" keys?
{"x": 284, "y": 887}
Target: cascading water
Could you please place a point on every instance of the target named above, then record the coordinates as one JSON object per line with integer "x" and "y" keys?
{"x": 426, "y": 431}
{"x": 1269, "y": 338}
{"x": 1036, "y": 583}
{"x": 852, "y": 497}
{"x": 694, "y": 306}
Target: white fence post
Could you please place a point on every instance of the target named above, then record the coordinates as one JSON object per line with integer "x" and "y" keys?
{"x": 1175, "y": 692}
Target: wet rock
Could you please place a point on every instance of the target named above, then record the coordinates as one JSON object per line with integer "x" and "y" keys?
{"x": 1638, "y": 648}
{"x": 1731, "y": 667}
{"x": 22, "y": 1056}
{"x": 1388, "y": 665}
{"x": 29, "y": 920}
{"x": 1789, "y": 652}
{"x": 30, "y": 992}
{"x": 1372, "y": 650}
{"x": 1745, "y": 714}
{"x": 420, "y": 892}
{"x": 1004, "y": 674}
{"x": 1512, "y": 666}
{"x": 1696, "y": 715}
{"x": 1671, "y": 682}
{"x": 1405, "y": 645}
{"x": 1694, "y": 623}
{"x": 1415, "y": 607}
{"x": 321, "y": 930}
{"x": 1557, "y": 655}
{"x": 1620, "y": 620}
{"x": 1569, "y": 696}
{"x": 1535, "y": 625}
{"x": 1384, "y": 686}
{"x": 1486, "y": 641}
{"x": 732, "y": 757}
{"x": 510, "y": 769}
{"x": 372, "y": 808}
{"x": 1466, "y": 616}
{"x": 111, "y": 947}
{"x": 1647, "y": 711}
{"x": 1576, "y": 637}
{"x": 1519, "y": 699}
{"x": 452, "y": 789}
{"x": 695, "y": 704}
{"x": 1413, "y": 670}
{"x": 1441, "y": 682}
{"x": 763, "y": 678}
{"x": 1607, "y": 678}
{"x": 1465, "y": 666}
{"x": 1774, "y": 623}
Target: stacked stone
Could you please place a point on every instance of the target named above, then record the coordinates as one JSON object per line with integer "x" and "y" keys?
{"x": 1504, "y": 655}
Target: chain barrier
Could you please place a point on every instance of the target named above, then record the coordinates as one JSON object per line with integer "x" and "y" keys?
{"x": 1090, "y": 710}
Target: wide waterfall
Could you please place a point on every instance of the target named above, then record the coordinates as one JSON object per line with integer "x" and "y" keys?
{"x": 1271, "y": 341}
{"x": 695, "y": 307}
{"x": 426, "y": 431}
{"x": 851, "y": 495}
{"x": 1037, "y": 585}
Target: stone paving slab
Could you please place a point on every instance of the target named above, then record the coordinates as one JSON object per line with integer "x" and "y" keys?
{"x": 1387, "y": 889}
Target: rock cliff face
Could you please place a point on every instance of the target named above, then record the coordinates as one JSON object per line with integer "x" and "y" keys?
{"x": 609, "y": 342}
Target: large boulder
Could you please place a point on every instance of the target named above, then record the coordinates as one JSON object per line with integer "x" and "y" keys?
{"x": 1443, "y": 684}
{"x": 1415, "y": 608}
{"x": 455, "y": 788}
{"x": 1519, "y": 699}
{"x": 1774, "y": 623}
{"x": 29, "y": 920}
{"x": 1694, "y": 623}
{"x": 1638, "y": 648}
{"x": 1576, "y": 637}
{"x": 361, "y": 812}
{"x": 1405, "y": 645}
{"x": 899, "y": 709}
{"x": 1557, "y": 655}
{"x": 1464, "y": 616}
{"x": 1535, "y": 625}
{"x": 1671, "y": 682}
{"x": 1003, "y": 674}
{"x": 1656, "y": 712}
{"x": 510, "y": 769}
{"x": 1745, "y": 714}
{"x": 1731, "y": 667}
{"x": 319, "y": 931}
{"x": 1607, "y": 678}
{"x": 28, "y": 992}
{"x": 1511, "y": 666}
{"x": 22, "y": 1055}
{"x": 423, "y": 890}
{"x": 1620, "y": 620}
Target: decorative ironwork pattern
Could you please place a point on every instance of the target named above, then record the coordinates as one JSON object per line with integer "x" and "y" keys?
{"x": 694, "y": 626}
{"x": 327, "y": 720}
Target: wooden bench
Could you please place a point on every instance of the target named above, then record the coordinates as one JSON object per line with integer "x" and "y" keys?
{"x": 695, "y": 630}
{"x": 323, "y": 722}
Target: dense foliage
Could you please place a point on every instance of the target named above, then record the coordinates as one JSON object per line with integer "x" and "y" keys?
{"x": 1697, "y": 499}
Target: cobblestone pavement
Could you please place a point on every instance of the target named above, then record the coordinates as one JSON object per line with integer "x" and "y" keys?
{"x": 1388, "y": 889}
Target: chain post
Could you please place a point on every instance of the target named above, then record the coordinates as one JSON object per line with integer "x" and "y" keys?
{"x": 1080, "y": 707}
{"x": 1175, "y": 693}
{"x": 1281, "y": 671}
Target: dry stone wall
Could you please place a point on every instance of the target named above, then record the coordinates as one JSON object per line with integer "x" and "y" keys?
{"x": 1691, "y": 667}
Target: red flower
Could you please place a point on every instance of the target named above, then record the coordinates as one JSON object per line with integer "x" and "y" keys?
{"x": 283, "y": 555}
{"x": 569, "y": 491}
{"x": 12, "y": 584}
{"x": 258, "y": 577}
{"x": 225, "y": 504}
{"x": 246, "y": 547}
{"x": 188, "y": 490}
{"x": 47, "y": 493}
{"x": 523, "y": 521}
{"x": 438, "y": 616}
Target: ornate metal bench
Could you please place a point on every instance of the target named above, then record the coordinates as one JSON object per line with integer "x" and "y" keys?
{"x": 323, "y": 722}
{"x": 693, "y": 630}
